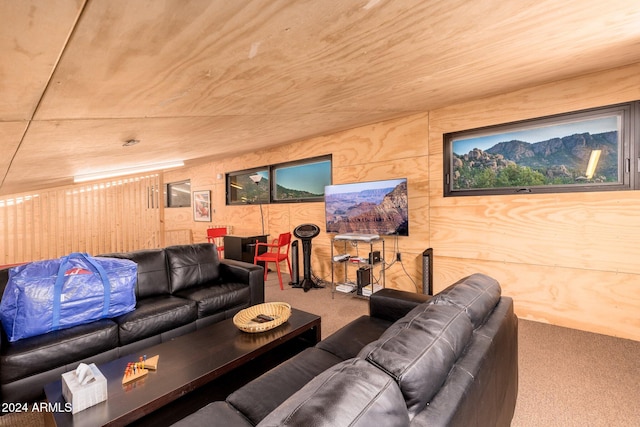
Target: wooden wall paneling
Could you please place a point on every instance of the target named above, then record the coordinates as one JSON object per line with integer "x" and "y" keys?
{"x": 589, "y": 91}
{"x": 3, "y": 233}
{"x": 97, "y": 218}
{"x": 4, "y": 226}
{"x": 43, "y": 239}
{"x": 32, "y": 225}
{"x": 279, "y": 219}
{"x": 103, "y": 220}
{"x": 152, "y": 220}
{"x": 71, "y": 211}
{"x": 161, "y": 198}
{"x": 124, "y": 224}
{"x": 84, "y": 236}
{"x": 86, "y": 228}
{"x": 6, "y": 237}
{"x": 11, "y": 225}
{"x": 569, "y": 230}
{"x": 568, "y": 259}
{"x": 111, "y": 217}
{"x": 18, "y": 214}
{"x": 37, "y": 229}
{"x": 405, "y": 275}
{"x": 53, "y": 224}
{"x": 412, "y": 168}
{"x": 597, "y": 301}
{"x": 385, "y": 141}
{"x": 308, "y": 213}
{"x": 138, "y": 197}
{"x": 127, "y": 226}
{"x": 8, "y": 240}
{"x": 65, "y": 219}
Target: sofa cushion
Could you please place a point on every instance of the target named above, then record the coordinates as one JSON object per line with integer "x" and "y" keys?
{"x": 153, "y": 278}
{"x": 153, "y": 316}
{"x": 192, "y": 266}
{"x": 419, "y": 350}
{"x": 264, "y": 394}
{"x": 221, "y": 412}
{"x": 477, "y": 295}
{"x": 352, "y": 393}
{"x": 54, "y": 349}
{"x": 347, "y": 342}
{"x": 217, "y": 297}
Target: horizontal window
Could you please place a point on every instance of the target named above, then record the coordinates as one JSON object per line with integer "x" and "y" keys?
{"x": 588, "y": 150}
{"x": 178, "y": 194}
{"x": 299, "y": 181}
{"x": 248, "y": 187}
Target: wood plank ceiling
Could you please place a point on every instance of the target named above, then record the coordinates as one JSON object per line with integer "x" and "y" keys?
{"x": 204, "y": 78}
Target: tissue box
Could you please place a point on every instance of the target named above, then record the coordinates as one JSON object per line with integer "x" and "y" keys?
{"x": 83, "y": 396}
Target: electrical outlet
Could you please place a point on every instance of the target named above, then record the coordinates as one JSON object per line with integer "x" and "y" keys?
{"x": 398, "y": 256}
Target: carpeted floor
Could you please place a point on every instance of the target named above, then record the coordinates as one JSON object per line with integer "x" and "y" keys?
{"x": 566, "y": 377}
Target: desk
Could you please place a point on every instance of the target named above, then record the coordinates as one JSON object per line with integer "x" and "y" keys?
{"x": 242, "y": 248}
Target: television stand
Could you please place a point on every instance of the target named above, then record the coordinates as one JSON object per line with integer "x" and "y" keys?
{"x": 357, "y": 236}
{"x": 347, "y": 259}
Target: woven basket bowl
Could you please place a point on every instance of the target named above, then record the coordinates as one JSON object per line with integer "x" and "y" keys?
{"x": 280, "y": 311}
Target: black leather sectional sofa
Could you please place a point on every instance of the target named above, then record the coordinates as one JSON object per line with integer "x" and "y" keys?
{"x": 451, "y": 360}
{"x": 179, "y": 289}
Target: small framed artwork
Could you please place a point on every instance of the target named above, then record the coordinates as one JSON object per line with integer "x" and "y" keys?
{"x": 202, "y": 206}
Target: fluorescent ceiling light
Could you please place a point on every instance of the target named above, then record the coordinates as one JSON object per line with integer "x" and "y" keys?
{"x": 127, "y": 171}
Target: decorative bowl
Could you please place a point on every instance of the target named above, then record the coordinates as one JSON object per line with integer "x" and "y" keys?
{"x": 247, "y": 320}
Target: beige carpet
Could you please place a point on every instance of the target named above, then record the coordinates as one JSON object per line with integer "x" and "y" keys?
{"x": 566, "y": 377}
{"x": 335, "y": 312}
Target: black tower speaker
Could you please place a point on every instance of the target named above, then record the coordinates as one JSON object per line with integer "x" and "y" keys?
{"x": 306, "y": 232}
{"x": 427, "y": 272}
{"x": 295, "y": 274}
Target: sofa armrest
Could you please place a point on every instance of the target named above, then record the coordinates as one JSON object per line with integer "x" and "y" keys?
{"x": 392, "y": 304}
{"x": 244, "y": 272}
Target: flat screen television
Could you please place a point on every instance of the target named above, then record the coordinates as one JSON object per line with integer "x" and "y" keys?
{"x": 374, "y": 207}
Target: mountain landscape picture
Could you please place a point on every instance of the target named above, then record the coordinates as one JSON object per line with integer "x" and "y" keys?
{"x": 522, "y": 161}
{"x": 379, "y": 207}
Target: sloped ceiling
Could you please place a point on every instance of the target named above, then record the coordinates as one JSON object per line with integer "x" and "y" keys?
{"x": 204, "y": 78}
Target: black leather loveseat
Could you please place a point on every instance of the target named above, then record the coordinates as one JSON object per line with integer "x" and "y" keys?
{"x": 179, "y": 289}
{"x": 451, "y": 360}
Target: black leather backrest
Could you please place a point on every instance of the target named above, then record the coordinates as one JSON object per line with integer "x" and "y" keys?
{"x": 420, "y": 349}
{"x": 477, "y": 295}
{"x": 153, "y": 279}
{"x": 192, "y": 265}
{"x": 351, "y": 393}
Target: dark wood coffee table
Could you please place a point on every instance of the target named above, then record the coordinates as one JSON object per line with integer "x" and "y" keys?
{"x": 186, "y": 363}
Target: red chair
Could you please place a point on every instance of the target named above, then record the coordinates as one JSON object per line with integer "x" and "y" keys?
{"x": 216, "y": 236}
{"x": 277, "y": 251}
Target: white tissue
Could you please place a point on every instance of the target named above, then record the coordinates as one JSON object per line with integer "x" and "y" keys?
{"x": 84, "y": 374}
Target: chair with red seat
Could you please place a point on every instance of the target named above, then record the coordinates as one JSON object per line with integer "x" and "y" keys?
{"x": 216, "y": 235}
{"x": 277, "y": 252}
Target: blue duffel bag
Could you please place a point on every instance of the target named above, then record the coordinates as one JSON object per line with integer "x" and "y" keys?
{"x": 45, "y": 296}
